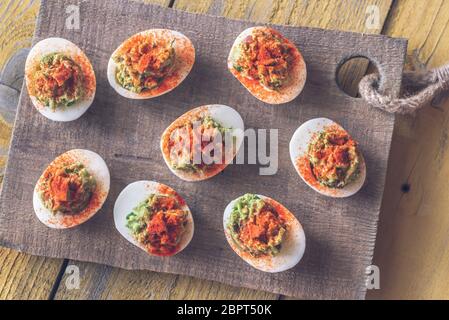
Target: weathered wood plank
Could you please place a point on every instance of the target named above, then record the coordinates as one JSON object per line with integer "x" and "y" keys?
{"x": 22, "y": 276}
{"x": 16, "y": 29}
{"x": 412, "y": 248}
{"x": 5, "y": 136}
{"x": 103, "y": 282}
{"x": 194, "y": 288}
{"x": 344, "y": 15}
{"x": 17, "y": 26}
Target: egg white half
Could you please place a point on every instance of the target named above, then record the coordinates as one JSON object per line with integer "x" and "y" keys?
{"x": 133, "y": 195}
{"x": 97, "y": 167}
{"x": 291, "y": 252}
{"x": 298, "y": 148}
{"x": 298, "y": 74}
{"x": 58, "y": 45}
{"x": 182, "y": 68}
{"x": 226, "y": 116}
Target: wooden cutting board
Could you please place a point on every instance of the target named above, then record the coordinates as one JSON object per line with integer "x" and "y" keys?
{"x": 340, "y": 233}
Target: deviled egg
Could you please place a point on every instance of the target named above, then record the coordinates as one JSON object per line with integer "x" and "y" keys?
{"x": 60, "y": 79}
{"x": 264, "y": 233}
{"x": 327, "y": 158}
{"x": 202, "y": 142}
{"x": 153, "y": 217}
{"x": 72, "y": 189}
{"x": 150, "y": 63}
{"x": 268, "y": 65}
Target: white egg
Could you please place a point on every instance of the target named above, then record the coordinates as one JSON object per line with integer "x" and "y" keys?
{"x": 288, "y": 92}
{"x": 59, "y": 45}
{"x": 292, "y": 248}
{"x": 184, "y": 60}
{"x": 225, "y": 116}
{"x": 96, "y": 167}
{"x": 298, "y": 150}
{"x": 134, "y": 194}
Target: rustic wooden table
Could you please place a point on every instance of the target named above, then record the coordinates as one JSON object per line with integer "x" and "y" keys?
{"x": 412, "y": 249}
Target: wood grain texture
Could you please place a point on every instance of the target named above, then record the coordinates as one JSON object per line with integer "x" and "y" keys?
{"x": 346, "y": 15}
{"x": 340, "y": 245}
{"x": 5, "y": 136}
{"x": 413, "y": 246}
{"x": 104, "y": 282}
{"x": 18, "y": 20}
{"x": 16, "y": 29}
{"x": 22, "y": 276}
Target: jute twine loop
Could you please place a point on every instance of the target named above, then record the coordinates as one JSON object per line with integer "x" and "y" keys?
{"x": 419, "y": 89}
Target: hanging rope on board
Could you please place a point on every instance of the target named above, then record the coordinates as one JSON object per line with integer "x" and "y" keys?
{"x": 419, "y": 90}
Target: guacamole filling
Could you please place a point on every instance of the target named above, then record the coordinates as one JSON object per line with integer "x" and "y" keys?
{"x": 334, "y": 157}
{"x": 264, "y": 56}
{"x": 57, "y": 81}
{"x": 143, "y": 63}
{"x": 191, "y": 143}
{"x": 158, "y": 224}
{"x": 256, "y": 227}
{"x": 67, "y": 188}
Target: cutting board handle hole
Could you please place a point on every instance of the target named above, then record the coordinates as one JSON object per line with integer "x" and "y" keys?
{"x": 351, "y": 70}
